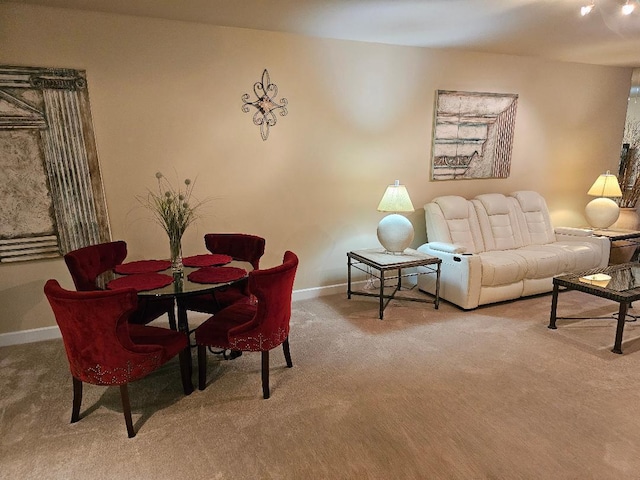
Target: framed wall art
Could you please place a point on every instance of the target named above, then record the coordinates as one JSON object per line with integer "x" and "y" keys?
{"x": 50, "y": 182}
{"x": 472, "y": 135}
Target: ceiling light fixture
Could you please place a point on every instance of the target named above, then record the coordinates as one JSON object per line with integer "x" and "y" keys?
{"x": 628, "y": 8}
{"x": 586, "y": 9}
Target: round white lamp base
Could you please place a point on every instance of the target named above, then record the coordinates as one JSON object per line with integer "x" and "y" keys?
{"x": 395, "y": 233}
{"x": 602, "y": 212}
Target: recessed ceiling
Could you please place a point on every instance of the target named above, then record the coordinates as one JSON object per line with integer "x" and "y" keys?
{"x": 550, "y": 29}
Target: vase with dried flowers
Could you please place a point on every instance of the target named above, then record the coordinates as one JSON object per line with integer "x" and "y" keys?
{"x": 629, "y": 178}
{"x": 174, "y": 210}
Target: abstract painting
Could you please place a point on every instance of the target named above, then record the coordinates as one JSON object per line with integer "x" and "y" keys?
{"x": 472, "y": 135}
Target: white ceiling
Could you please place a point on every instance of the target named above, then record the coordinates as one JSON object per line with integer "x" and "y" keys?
{"x": 551, "y": 29}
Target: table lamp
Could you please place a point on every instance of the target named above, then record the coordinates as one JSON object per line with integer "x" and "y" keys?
{"x": 602, "y": 212}
{"x": 395, "y": 231}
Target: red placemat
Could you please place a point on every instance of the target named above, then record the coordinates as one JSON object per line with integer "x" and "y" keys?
{"x": 142, "y": 266}
{"x": 141, "y": 281}
{"x": 207, "y": 260}
{"x": 216, "y": 274}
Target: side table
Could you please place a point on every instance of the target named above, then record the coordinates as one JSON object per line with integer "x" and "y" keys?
{"x": 624, "y": 244}
{"x": 378, "y": 259}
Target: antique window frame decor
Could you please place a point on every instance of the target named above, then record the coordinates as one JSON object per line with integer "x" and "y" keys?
{"x": 50, "y": 183}
{"x": 472, "y": 135}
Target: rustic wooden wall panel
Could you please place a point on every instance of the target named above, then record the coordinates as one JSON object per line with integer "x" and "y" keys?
{"x": 50, "y": 178}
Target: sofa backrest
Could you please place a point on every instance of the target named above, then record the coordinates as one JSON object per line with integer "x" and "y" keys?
{"x": 490, "y": 221}
{"x": 452, "y": 219}
{"x": 533, "y": 218}
{"x": 498, "y": 222}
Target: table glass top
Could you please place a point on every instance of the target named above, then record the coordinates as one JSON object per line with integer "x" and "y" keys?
{"x": 617, "y": 234}
{"x": 624, "y": 278}
{"x": 380, "y": 257}
{"x": 181, "y": 285}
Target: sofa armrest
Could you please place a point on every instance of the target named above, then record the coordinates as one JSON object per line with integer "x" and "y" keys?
{"x": 460, "y": 275}
{"x": 447, "y": 247}
{"x": 578, "y": 232}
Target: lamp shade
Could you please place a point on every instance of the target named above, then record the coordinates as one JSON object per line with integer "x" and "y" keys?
{"x": 606, "y": 185}
{"x": 396, "y": 199}
{"x": 395, "y": 232}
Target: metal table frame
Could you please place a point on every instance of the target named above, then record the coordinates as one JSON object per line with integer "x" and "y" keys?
{"x": 623, "y": 297}
{"x": 378, "y": 259}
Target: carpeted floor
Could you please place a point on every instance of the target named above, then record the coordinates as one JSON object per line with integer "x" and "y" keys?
{"x": 424, "y": 394}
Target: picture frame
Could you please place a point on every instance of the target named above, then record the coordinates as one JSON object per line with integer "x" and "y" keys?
{"x": 472, "y": 135}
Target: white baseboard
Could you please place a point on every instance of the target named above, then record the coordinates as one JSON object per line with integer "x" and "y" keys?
{"x": 29, "y": 336}
{"x": 49, "y": 333}
{"x": 308, "y": 293}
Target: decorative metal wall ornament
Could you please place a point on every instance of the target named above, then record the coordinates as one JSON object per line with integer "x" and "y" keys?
{"x": 266, "y": 104}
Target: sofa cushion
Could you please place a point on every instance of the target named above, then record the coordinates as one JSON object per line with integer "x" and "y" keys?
{"x": 502, "y": 268}
{"x": 583, "y": 255}
{"x": 544, "y": 261}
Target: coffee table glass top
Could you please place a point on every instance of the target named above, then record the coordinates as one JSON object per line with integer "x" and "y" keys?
{"x": 625, "y": 280}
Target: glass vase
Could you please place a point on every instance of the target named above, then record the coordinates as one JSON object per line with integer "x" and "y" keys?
{"x": 175, "y": 247}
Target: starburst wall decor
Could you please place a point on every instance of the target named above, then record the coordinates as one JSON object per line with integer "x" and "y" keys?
{"x": 265, "y": 104}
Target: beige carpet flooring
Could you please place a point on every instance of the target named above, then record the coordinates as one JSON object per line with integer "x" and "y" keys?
{"x": 424, "y": 394}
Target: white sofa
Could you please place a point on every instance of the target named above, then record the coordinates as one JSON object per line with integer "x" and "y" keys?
{"x": 498, "y": 247}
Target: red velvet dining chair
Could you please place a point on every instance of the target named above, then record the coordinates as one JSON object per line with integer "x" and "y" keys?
{"x": 239, "y": 246}
{"x": 104, "y": 349}
{"x": 87, "y": 263}
{"x": 249, "y": 327}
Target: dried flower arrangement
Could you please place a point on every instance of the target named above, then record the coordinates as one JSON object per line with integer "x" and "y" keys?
{"x": 629, "y": 174}
{"x": 174, "y": 211}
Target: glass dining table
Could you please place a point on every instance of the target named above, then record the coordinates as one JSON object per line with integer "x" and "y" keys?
{"x": 184, "y": 286}
{"x": 151, "y": 282}
{"x": 179, "y": 285}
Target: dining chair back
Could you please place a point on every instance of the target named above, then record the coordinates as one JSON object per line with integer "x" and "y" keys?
{"x": 239, "y": 246}
{"x": 86, "y": 264}
{"x": 104, "y": 349}
{"x": 258, "y": 327}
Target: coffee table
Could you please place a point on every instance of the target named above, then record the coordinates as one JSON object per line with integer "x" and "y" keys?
{"x": 624, "y": 288}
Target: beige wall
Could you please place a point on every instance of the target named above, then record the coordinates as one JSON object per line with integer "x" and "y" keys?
{"x": 166, "y": 96}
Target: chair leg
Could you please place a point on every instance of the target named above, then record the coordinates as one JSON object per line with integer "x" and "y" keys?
{"x": 202, "y": 367}
{"x": 172, "y": 319}
{"x": 287, "y": 352}
{"x": 77, "y": 400}
{"x": 265, "y": 374}
{"x": 185, "y": 370}
{"x": 126, "y": 409}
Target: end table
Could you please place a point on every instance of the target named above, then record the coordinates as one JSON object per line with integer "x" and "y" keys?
{"x": 624, "y": 244}
{"x": 381, "y": 261}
